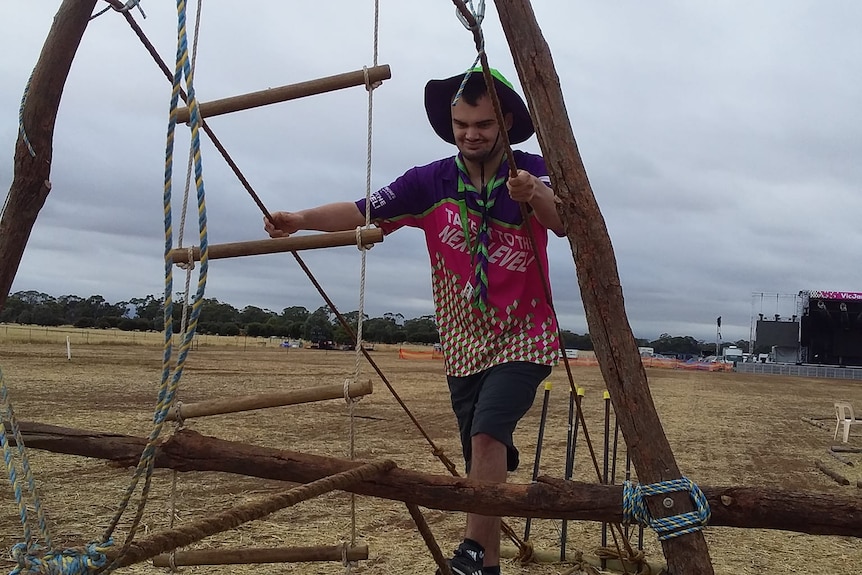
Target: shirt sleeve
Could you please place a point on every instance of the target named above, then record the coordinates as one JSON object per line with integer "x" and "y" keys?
{"x": 397, "y": 204}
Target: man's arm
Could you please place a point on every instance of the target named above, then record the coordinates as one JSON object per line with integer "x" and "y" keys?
{"x": 526, "y": 187}
{"x": 335, "y": 217}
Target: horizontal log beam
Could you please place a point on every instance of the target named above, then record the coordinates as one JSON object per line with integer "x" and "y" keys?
{"x": 368, "y": 236}
{"x": 289, "y": 92}
{"x": 748, "y": 507}
{"x": 252, "y": 555}
{"x": 265, "y": 400}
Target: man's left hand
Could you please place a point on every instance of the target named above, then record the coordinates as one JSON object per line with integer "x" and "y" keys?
{"x": 523, "y": 187}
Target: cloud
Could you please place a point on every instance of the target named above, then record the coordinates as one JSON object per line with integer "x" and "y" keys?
{"x": 721, "y": 142}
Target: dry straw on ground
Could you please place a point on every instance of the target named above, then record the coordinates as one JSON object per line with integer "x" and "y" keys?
{"x": 725, "y": 428}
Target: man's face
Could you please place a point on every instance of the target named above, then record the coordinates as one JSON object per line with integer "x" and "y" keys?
{"x": 475, "y": 129}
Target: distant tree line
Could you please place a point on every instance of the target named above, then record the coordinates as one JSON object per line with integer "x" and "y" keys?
{"x": 296, "y": 322}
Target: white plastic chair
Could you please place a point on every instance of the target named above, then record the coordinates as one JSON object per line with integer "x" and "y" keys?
{"x": 844, "y": 415}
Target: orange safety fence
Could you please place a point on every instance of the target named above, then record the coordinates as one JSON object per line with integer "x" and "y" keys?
{"x": 405, "y": 354}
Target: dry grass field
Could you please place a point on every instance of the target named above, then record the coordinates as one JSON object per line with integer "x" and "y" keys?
{"x": 725, "y": 429}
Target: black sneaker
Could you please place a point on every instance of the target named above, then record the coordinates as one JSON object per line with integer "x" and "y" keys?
{"x": 467, "y": 559}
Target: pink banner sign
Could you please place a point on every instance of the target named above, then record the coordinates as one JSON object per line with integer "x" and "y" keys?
{"x": 845, "y": 295}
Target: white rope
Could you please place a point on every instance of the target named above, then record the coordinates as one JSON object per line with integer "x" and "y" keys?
{"x": 361, "y": 312}
{"x": 188, "y": 266}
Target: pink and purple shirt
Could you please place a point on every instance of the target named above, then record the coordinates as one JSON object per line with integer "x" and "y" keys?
{"x": 518, "y": 324}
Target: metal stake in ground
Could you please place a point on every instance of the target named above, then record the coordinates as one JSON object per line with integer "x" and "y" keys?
{"x": 538, "y": 457}
{"x": 606, "y": 448}
{"x": 571, "y": 444}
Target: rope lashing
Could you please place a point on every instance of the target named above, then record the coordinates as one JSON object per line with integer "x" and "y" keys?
{"x": 478, "y": 15}
{"x": 635, "y": 509}
{"x": 126, "y": 7}
{"x": 71, "y": 561}
{"x": 21, "y": 129}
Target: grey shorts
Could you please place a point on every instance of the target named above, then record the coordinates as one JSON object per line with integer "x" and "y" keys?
{"x": 493, "y": 402}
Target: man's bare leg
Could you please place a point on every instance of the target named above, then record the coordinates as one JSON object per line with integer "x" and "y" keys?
{"x": 488, "y": 463}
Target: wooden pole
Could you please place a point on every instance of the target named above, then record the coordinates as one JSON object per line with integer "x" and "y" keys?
{"x": 264, "y": 400}
{"x": 249, "y": 555}
{"x": 289, "y": 92}
{"x": 601, "y": 292}
{"x": 548, "y": 498}
{"x": 840, "y": 458}
{"x": 31, "y": 181}
{"x": 369, "y": 236}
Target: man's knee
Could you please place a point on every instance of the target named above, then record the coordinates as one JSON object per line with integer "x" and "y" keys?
{"x": 485, "y": 441}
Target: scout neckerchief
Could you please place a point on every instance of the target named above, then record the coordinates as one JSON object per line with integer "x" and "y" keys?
{"x": 479, "y": 252}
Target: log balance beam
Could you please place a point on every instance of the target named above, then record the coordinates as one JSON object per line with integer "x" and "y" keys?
{"x": 548, "y": 498}
{"x": 264, "y": 400}
{"x": 367, "y": 236}
{"x": 285, "y": 93}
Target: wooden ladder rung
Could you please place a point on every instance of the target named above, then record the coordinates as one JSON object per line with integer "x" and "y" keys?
{"x": 264, "y": 400}
{"x": 368, "y": 236}
{"x": 251, "y": 555}
{"x": 289, "y": 92}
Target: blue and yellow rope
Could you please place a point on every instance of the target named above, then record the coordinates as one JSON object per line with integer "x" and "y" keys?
{"x": 29, "y": 554}
{"x": 171, "y": 376}
{"x": 635, "y": 509}
{"x": 18, "y": 482}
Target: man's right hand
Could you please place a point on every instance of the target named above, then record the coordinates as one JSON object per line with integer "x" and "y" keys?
{"x": 283, "y": 224}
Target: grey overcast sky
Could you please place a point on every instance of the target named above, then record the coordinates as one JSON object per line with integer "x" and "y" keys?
{"x": 722, "y": 140}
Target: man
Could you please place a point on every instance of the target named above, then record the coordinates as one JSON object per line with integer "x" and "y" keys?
{"x": 496, "y": 326}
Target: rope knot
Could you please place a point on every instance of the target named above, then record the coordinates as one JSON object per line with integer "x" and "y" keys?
{"x": 477, "y": 13}
{"x": 369, "y": 85}
{"x": 189, "y": 264}
{"x": 346, "y": 388}
{"x": 635, "y": 509}
{"x": 64, "y": 562}
{"x": 359, "y": 243}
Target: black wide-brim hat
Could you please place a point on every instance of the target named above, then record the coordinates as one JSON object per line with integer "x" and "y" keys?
{"x": 438, "y": 105}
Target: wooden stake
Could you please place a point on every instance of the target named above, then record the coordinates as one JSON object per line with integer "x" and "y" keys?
{"x": 369, "y": 236}
{"x": 840, "y": 458}
{"x": 598, "y": 277}
{"x": 249, "y": 555}
{"x": 815, "y": 422}
{"x": 833, "y": 474}
{"x": 264, "y": 400}
{"x": 289, "y": 92}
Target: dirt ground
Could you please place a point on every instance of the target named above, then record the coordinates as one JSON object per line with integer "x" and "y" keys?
{"x": 724, "y": 428}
